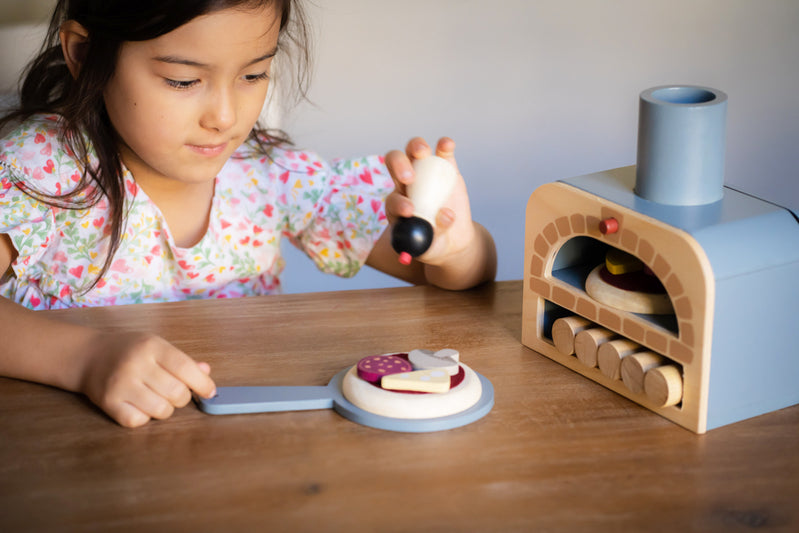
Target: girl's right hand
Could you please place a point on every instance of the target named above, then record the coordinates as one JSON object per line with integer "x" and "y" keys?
{"x": 134, "y": 377}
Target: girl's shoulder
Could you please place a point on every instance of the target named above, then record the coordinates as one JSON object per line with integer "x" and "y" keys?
{"x": 35, "y": 156}
{"x": 275, "y": 157}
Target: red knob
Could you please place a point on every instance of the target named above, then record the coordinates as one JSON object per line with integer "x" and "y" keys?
{"x": 609, "y": 225}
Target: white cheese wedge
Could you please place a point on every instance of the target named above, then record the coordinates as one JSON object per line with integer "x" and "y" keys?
{"x": 430, "y": 380}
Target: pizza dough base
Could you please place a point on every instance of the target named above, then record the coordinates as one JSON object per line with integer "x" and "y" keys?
{"x": 412, "y": 406}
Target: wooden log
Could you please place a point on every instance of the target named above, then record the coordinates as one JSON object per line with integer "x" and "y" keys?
{"x": 588, "y": 341}
{"x": 610, "y": 354}
{"x": 633, "y": 368}
{"x": 565, "y": 329}
{"x": 663, "y": 385}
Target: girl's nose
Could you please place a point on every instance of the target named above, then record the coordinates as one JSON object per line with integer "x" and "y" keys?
{"x": 220, "y": 111}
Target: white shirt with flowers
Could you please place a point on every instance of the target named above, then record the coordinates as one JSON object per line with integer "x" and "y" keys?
{"x": 333, "y": 211}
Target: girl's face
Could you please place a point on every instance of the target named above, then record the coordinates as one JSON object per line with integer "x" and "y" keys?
{"x": 183, "y": 102}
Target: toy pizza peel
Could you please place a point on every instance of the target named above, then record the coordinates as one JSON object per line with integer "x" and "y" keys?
{"x": 414, "y": 392}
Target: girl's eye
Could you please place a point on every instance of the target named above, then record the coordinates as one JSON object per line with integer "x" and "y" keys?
{"x": 252, "y": 78}
{"x": 180, "y": 84}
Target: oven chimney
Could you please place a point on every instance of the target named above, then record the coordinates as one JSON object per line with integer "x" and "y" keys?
{"x": 681, "y": 142}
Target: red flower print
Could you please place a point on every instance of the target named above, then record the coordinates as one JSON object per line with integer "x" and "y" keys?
{"x": 185, "y": 266}
{"x": 156, "y": 250}
{"x": 65, "y": 291}
{"x": 257, "y": 243}
{"x": 284, "y": 177}
{"x": 225, "y": 224}
{"x": 310, "y": 171}
{"x": 39, "y": 139}
{"x": 5, "y": 184}
{"x": 97, "y": 222}
{"x": 132, "y": 187}
{"x": 193, "y": 275}
{"x": 49, "y": 166}
{"x": 47, "y": 150}
{"x": 376, "y": 205}
{"x": 209, "y": 278}
{"x": 35, "y": 301}
{"x": 304, "y": 156}
{"x": 76, "y": 271}
{"x": 257, "y": 229}
{"x": 245, "y": 240}
{"x": 101, "y": 283}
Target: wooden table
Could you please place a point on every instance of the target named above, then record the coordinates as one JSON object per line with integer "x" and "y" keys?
{"x": 557, "y": 452}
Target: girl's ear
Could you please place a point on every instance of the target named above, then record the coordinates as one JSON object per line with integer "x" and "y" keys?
{"x": 74, "y": 42}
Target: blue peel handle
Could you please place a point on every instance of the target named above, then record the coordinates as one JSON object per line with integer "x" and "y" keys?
{"x": 235, "y": 400}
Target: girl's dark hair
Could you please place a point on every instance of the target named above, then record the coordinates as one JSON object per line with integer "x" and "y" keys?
{"x": 48, "y": 87}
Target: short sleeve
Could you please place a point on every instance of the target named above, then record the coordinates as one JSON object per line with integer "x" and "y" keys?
{"x": 28, "y": 222}
{"x": 33, "y": 158}
{"x": 340, "y": 209}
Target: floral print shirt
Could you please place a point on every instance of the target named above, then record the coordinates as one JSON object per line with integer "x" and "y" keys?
{"x": 333, "y": 211}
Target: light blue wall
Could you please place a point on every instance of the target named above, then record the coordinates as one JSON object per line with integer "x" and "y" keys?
{"x": 535, "y": 91}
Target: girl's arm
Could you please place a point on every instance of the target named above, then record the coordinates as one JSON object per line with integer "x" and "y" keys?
{"x": 132, "y": 377}
{"x": 463, "y": 253}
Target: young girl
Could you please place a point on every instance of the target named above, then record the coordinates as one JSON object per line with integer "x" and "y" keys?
{"x": 137, "y": 172}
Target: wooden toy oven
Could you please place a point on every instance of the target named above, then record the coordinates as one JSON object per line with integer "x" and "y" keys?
{"x": 730, "y": 269}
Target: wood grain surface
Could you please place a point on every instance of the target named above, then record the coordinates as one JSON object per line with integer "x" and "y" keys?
{"x": 557, "y": 453}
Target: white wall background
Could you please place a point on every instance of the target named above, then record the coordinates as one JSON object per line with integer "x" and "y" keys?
{"x": 537, "y": 90}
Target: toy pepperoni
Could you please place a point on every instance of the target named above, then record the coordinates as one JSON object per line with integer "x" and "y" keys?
{"x": 374, "y": 367}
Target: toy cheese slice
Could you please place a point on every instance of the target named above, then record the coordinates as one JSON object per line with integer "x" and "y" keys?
{"x": 430, "y": 380}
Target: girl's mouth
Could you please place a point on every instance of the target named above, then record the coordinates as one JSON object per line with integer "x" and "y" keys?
{"x": 208, "y": 150}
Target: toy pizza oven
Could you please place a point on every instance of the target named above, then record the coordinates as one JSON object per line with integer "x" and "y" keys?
{"x": 662, "y": 284}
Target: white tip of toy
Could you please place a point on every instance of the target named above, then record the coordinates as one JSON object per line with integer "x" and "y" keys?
{"x": 446, "y": 360}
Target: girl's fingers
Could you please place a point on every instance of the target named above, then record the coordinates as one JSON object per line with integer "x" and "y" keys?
{"x": 400, "y": 168}
{"x": 417, "y": 148}
{"x": 398, "y": 205}
{"x": 445, "y": 219}
{"x": 186, "y": 371}
{"x": 170, "y": 388}
{"x": 151, "y": 403}
{"x": 446, "y": 148}
{"x": 127, "y": 415}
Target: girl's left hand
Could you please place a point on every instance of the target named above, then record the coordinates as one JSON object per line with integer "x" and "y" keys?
{"x": 454, "y": 230}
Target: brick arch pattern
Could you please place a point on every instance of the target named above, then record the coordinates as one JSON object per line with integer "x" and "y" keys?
{"x": 557, "y": 213}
